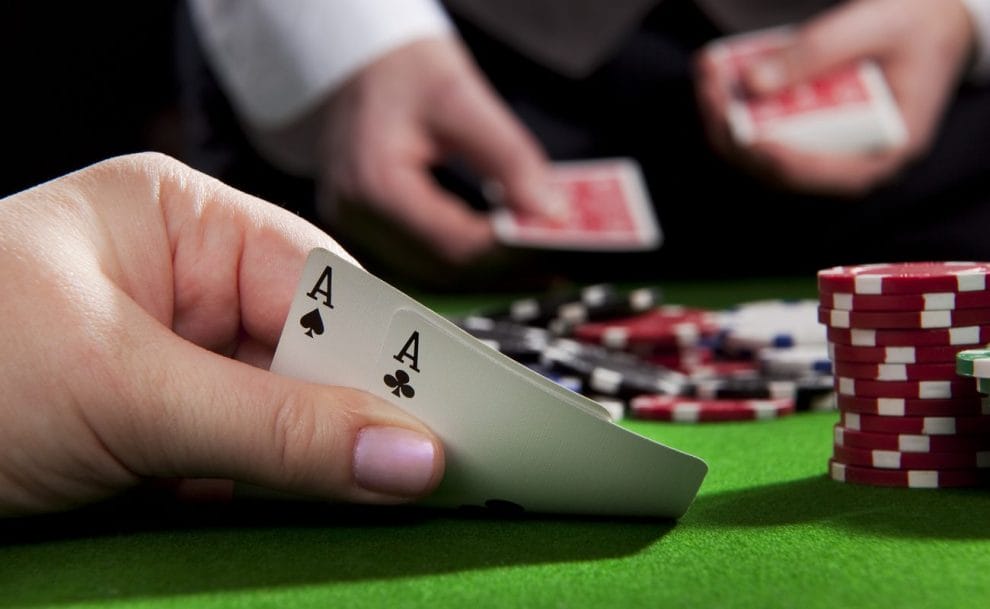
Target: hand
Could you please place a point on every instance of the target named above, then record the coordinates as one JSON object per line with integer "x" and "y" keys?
{"x": 921, "y": 47}
{"x": 407, "y": 112}
{"x": 139, "y": 296}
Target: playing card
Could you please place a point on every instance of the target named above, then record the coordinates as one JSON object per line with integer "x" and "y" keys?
{"x": 511, "y": 437}
{"x": 604, "y": 205}
{"x": 850, "y": 110}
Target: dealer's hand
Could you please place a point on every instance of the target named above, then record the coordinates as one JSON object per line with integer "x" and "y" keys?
{"x": 921, "y": 46}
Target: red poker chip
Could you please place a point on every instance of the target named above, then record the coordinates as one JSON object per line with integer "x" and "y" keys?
{"x": 666, "y": 325}
{"x": 965, "y": 336}
{"x": 909, "y": 443}
{"x": 934, "y": 426}
{"x": 835, "y": 318}
{"x": 948, "y": 478}
{"x": 894, "y": 459}
{"x": 893, "y": 354}
{"x": 958, "y": 387}
{"x": 895, "y": 372}
{"x": 907, "y": 407}
{"x": 725, "y": 369}
{"x": 905, "y": 278}
{"x": 687, "y": 410}
{"x": 930, "y": 301}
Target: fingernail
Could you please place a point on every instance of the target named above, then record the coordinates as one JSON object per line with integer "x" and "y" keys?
{"x": 394, "y": 461}
{"x": 767, "y": 75}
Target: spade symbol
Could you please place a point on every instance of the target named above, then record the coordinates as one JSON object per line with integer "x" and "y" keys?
{"x": 400, "y": 384}
{"x": 312, "y": 322}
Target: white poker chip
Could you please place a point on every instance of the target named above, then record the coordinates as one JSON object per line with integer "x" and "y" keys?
{"x": 795, "y": 362}
{"x": 772, "y": 324}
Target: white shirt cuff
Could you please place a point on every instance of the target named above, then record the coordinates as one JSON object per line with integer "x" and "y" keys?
{"x": 979, "y": 12}
{"x": 277, "y": 59}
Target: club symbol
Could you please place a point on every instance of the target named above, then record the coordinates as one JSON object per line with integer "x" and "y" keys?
{"x": 400, "y": 384}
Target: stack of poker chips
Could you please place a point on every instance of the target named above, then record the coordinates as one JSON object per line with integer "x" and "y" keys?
{"x": 907, "y": 419}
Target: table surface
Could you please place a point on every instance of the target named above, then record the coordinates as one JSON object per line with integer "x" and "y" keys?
{"x": 768, "y": 529}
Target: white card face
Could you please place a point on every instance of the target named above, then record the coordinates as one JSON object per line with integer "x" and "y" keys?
{"x": 509, "y": 434}
{"x": 605, "y": 206}
{"x": 851, "y": 110}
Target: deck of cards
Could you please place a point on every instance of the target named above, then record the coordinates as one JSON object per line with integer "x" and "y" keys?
{"x": 848, "y": 111}
{"x": 511, "y": 437}
{"x": 604, "y": 205}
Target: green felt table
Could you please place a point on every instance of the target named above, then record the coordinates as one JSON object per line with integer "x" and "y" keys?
{"x": 768, "y": 529}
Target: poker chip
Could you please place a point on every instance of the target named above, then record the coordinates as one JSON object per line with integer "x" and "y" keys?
{"x": 605, "y": 302}
{"x": 521, "y": 343}
{"x": 687, "y": 410}
{"x": 983, "y": 386}
{"x": 933, "y": 301}
{"x": 909, "y": 443}
{"x": 895, "y": 372}
{"x": 744, "y": 388}
{"x": 893, "y": 355}
{"x": 615, "y": 407}
{"x": 936, "y": 426}
{"x": 668, "y": 325}
{"x": 905, "y": 278}
{"x": 893, "y": 459}
{"x": 610, "y": 373}
{"x": 949, "y": 478}
{"x": 835, "y": 318}
{"x": 771, "y": 323}
{"x": 568, "y": 381}
{"x": 908, "y": 407}
{"x": 795, "y": 361}
{"x": 955, "y": 388}
{"x": 859, "y": 337}
{"x": 973, "y": 362}
{"x": 731, "y": 369}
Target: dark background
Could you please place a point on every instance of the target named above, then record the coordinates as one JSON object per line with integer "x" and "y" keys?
{"x": 83, "y": 81}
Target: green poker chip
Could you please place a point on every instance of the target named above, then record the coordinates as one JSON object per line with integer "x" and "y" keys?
{"x": 974, "y": 362}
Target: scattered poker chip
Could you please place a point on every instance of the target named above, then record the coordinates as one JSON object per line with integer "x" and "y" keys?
{"x": 973, "y": 362}
{"x": 680, "y": 359}
{"x": 925, "y": 390}
{"x": 893, "y": 355}
{"x": 893, "y": 459}
{"x": 966, "y": 335}
{"x": 909, "y": 443}
{"x": 932, "y": 301}
{"x": 744, "y": 389}
{"x": 905, "y": 278}
{"x": 814, "y": 392}
{"x": 591, "y": 302}
{"x": 521, "y": 343}
{"x": 835, "y": 318}
{"x": 896, "y": 372}
{"x": 567, "y": 381}
{"x": 610, "y": 373}
{"x": 936, "y": 426}
{"x": 730, "y": 369}
{"x": 771, "y": 323}
{"x": 795, "y": 361}
{"x": 841, "y": 472}
{"x": 616, "y": 408}
{"x": 907, "y": 407}
{"x": 687, "y": 410}
{"x": 667, "y": 325}
{"x": 607, "y": 303}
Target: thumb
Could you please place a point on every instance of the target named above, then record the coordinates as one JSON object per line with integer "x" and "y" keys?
{"x": 212, "y": 417}
{"x": 826, "y": 43}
